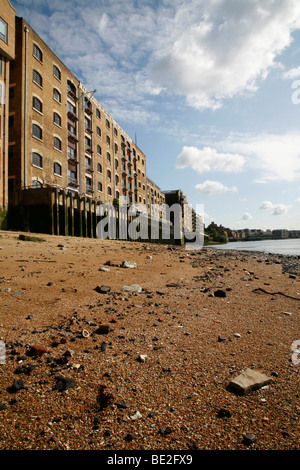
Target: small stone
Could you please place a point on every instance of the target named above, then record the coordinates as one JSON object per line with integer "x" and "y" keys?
{"x": 130, "y": 437}
{"x": 2, "y": 406}
{"x": 249, "y": 438}
{"x": 85, "y": 333}
{"x": 220, "y": 293}
{"x": 102, "y": 289}
{"x": 17, "y": 385}
{"x": 237, "y": 335}
{"x": 129, "y": 264}
{"x": 248, "y": 381}
{"x": 104, "y": 269}
{"x": 165, "y": 431}
{"x": 104, "y": 328}
{"x": 142, "y": 357}
{"x": 223, "y": 413}
{"x": 221, "y": 338}
{"x": 37, "y": 351}
{"x": 132, "y": 288}
{"x": 64, "y": 383}
{"x": 136, "y": 415}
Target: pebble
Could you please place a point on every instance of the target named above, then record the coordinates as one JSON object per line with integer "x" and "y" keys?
{"x": 129, "y": 264}
{"x": 249, "y": 438}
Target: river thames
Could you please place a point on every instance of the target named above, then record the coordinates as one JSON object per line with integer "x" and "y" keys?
{"x": 289, "y": 246}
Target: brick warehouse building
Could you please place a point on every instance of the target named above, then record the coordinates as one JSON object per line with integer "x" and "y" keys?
{"x": 7, "y": 54}
{"x": 65, "y": 154}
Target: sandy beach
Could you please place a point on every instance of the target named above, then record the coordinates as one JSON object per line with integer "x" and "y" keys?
{"x": 90, "y": 364}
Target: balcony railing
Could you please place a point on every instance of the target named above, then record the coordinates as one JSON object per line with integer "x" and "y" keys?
{"x": 89, "y": 167}
{"x": 72, "y": 181}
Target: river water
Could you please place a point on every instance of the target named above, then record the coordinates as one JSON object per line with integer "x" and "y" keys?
{"x": 289, "y": 246}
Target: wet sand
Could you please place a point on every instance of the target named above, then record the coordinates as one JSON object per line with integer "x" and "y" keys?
{"x": 87, "y": 368}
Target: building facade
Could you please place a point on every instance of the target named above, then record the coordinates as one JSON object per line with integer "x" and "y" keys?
{"x": 61, "y": 136}
{"x": 156, "y": 200}
{"x": 7, "y": 54}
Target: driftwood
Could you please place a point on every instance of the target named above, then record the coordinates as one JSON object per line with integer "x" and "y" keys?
{"x": 259, "y": 289}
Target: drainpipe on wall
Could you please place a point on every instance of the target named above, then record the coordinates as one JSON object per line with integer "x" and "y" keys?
{"x": 4, "y": 96}
{"x": 26, "y": 30}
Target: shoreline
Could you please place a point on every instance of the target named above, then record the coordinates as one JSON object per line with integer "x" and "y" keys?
{"x": 156, "y": 376}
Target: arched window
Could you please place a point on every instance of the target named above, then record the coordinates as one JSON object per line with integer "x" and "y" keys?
{"x": 37, "y": 78}
{"x": 37, "y": 131}
{"x": 37, "y": 159}
{"x": 57, "y": 95}
{"x": 57, "y": 119}
{"x": 57, "y": 143}
{"x": 37, "y": 53}
{"x": 37, "y": 104}
{"x": 57, "y": 169}
{"x": 36, "y": 184}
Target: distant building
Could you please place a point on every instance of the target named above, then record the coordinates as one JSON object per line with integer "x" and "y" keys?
{"x": 280, "y": 233}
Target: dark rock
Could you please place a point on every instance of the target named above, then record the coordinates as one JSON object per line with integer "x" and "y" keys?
{"x": 165, "y": 431}
{"x": 223, "y": 413}
{"x": 249, "y": 438}
{"x": 2, "y": 406}
{"x": 102, "y": 289}
{"x": 220, "y": 293}
{"x": 221, "y": 338}
{"x": 37, "y": 351}
{"x": 130, "y": 437}
{"x": 16, "y": 386}
{"x": 64, "y": 383}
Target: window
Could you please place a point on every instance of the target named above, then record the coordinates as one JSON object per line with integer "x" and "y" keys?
{"x": 108, "y": 141}
{"x": 117, "y": 179}
{"x": 57, "y": 143}
{"x": 109, "y": 190}
{"x": 108, "y": 157}
{"x": 56, "y": 95}
{"x": 37, "y": 104}
{"x": 98, "y": 130}
{"x": 37, "y": 160}
{"x": 99, "y": 167}
{"x": 107, "y": 123}
{"x": 116, "y": 163}
{"x": 57, "y": 119}
{"x": 99, "y": 151}
{"x": 71, "y": 108}
{"x": 57, "y": 169}
{"x": 56, "y": 72}
{"x": 37, "y": 131}
{"x": 109, "y": 175}
{"x": 36, "y": 184}
{"x": 116, "y": 148}
{"x": 37, "y": 78}
{"x": 99, "y": 186}
{"x": 98, "y": 114}
{"x": 115, "y": 131}
{"x": 37, "y": 53}
{"x": 72, "y": 153}
{"x": 88, "y": 183}
{"x": 3, "y": 30}
{"x": 11, "y": 121}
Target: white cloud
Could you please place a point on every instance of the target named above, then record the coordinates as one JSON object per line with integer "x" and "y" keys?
{"x": 208, "y": 159}
{"x": 292, "y": 73}
{"x": 247, "y": 216}
{"x": 275, "y": 157}
{"x": 276, "y": 209}
{"x": 214, "y": 187}
{"x": 225, "y": 49}
{"x": 205, "y": 51}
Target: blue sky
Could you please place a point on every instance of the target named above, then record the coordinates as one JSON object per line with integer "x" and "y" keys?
{"x": 210, "y": 90}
